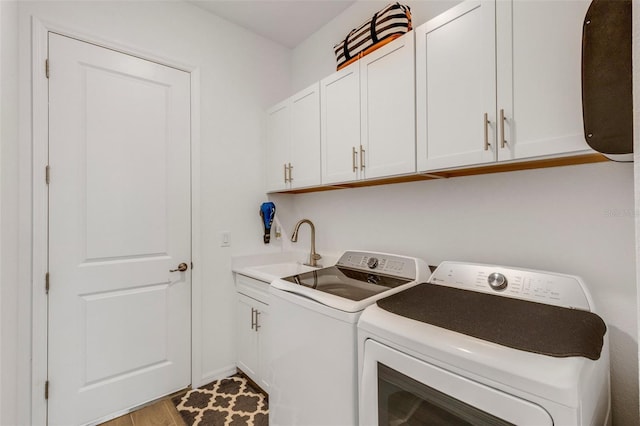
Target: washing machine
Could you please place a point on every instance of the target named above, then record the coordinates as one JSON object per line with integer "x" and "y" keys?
{"x": 485, "y": 345}
{"x": 313, "y": 333}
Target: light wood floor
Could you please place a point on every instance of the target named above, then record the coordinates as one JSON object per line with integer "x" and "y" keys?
{"x": 161, "y": 413}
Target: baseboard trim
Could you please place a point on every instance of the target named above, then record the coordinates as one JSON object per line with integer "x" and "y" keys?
{"x": 254, "y": 384}
{"x": 221, "y": 373}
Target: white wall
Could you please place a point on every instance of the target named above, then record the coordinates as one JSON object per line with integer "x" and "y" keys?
{"x": 573, "y": 219}
{"x": 8, "y": 210}
{"x": 240, "y": 75}
{"x": 314, "y": 59}
{"x": 576, "y": 220}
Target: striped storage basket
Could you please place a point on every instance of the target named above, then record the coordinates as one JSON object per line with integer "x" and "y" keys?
{"x": 385, "y": 25}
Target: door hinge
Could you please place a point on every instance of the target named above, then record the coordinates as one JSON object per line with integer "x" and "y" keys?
{"x": 46, "y": 390}
{"x": 47, "y": 174}
{"x": 46, "y": 282}
{"x": 46, "y": 67}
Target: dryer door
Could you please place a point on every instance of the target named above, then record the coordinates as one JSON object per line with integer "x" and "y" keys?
{"x": 399, "y": 389}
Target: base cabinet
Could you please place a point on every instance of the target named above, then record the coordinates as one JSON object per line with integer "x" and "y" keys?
{"x": 252, "y": 327}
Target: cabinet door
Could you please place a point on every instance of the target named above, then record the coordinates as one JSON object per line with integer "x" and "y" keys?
{"x": 263, "y": 348}
{"x": 340, "y": 118}
{"x": 539, "y": 58}
{"x": 387, "y": 100}
{"x": 247, "y": 337}
{"x": 278, "y": 146}
{"x": 305, "y": 137}
{"x": 455, "y": 87}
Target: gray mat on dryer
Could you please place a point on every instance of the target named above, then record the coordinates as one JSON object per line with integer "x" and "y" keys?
{"x": 519, "y": 324}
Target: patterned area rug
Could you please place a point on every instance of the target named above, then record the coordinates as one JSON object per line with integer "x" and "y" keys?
{"x": 227, "y": 402}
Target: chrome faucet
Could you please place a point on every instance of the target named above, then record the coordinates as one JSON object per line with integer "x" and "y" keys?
{"x": 313, "y": 256}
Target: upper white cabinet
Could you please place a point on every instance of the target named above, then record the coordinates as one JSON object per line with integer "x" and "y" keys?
{"x": 499, "y": 81}
{"x": 487, "y": 81}
{"x": 539, "y": 45}
{"x": 278, "y": 146}
{"x": 455, "y": 87}
{"x": 387, "y": 113}
{"x": 305, "y": 138}
{"x": 340, "y": 118}
{"x": 293, "y": 141}
{"x": 368, "y": 116}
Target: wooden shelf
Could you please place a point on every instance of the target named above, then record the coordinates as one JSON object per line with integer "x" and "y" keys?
{"x": 470, "y": 171}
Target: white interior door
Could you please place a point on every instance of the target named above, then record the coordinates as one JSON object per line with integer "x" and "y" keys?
{"x": 119, "y": 220}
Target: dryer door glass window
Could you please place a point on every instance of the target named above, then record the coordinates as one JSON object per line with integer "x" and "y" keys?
{"x": 405, "y": 401}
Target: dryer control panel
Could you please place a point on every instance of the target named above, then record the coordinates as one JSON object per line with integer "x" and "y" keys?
{"x": 536, "y": 286}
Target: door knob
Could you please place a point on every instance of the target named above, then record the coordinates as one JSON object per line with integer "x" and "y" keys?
{"x": 181, "y": 267}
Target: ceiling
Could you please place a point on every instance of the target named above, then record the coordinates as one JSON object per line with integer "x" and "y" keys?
{"x": 287, "y": 22}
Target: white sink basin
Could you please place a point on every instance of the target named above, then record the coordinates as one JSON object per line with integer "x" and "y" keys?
{"x": 273, "y": 271}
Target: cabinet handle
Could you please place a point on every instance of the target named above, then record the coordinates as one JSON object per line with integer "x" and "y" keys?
{"x": 254, "y": 318}
{"x": 361, "y": 158}
{"x": 503, "y": 142}
{"x": 353, "y": 159}
{"x": 285, "y": 172}
{"x": 257, "y": 325}
{"x": 290, "y": 174}
{"x": 486, "y": 132}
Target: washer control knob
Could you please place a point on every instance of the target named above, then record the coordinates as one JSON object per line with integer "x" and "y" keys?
{"x": 497, "y": 281}
{"x": 372, "y": 262}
